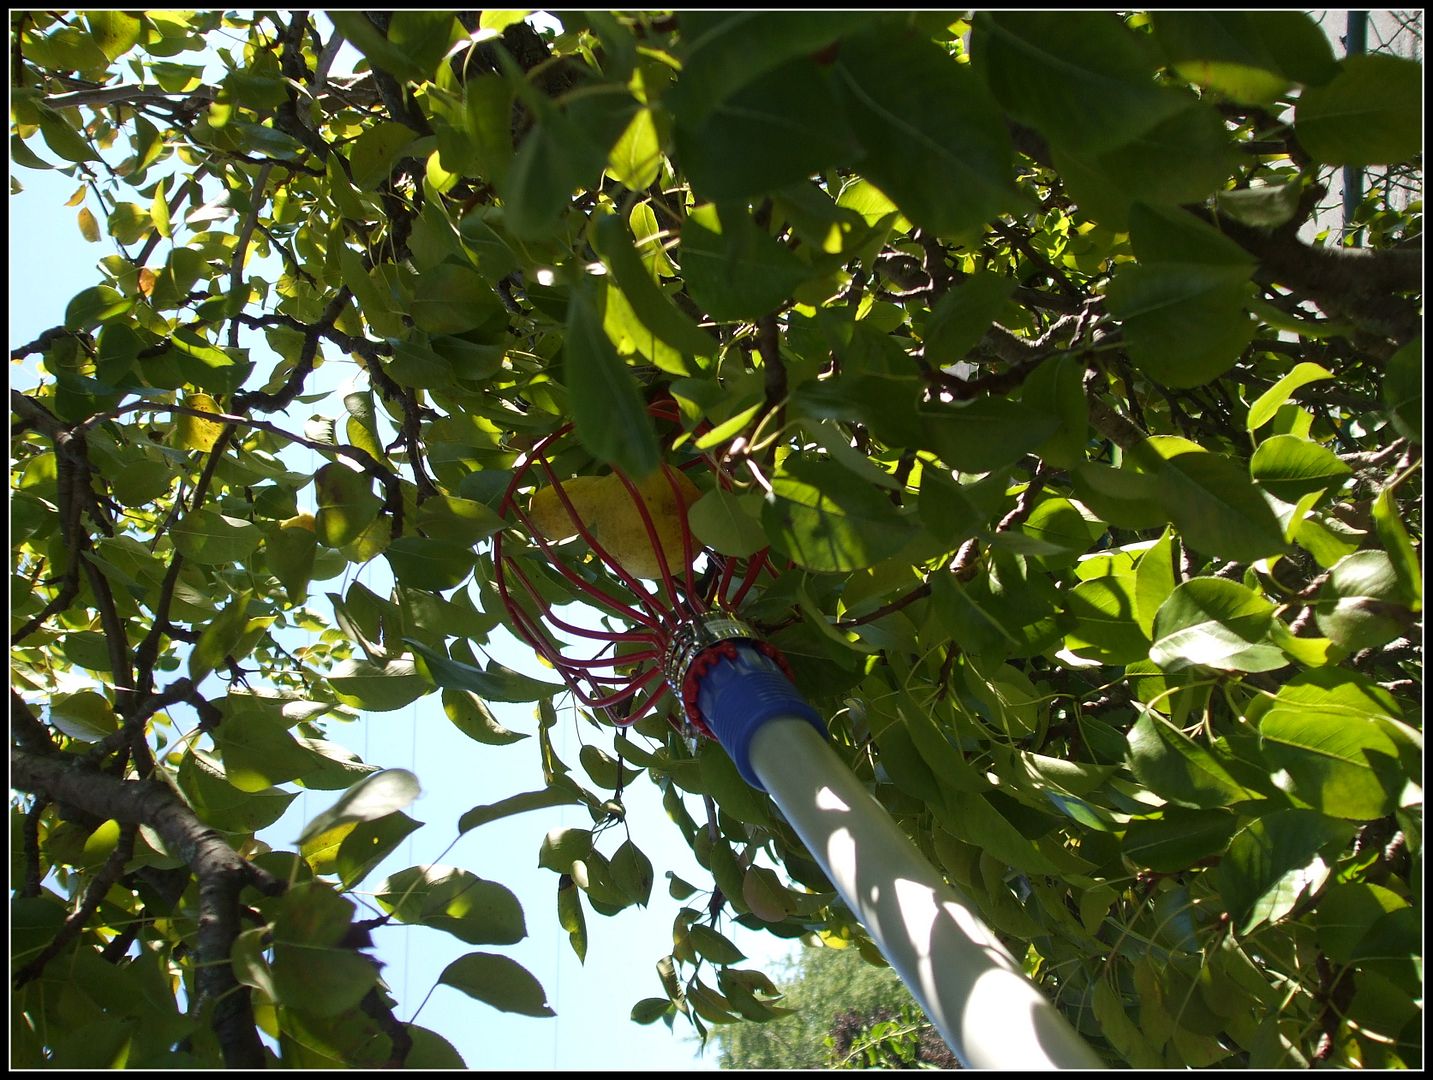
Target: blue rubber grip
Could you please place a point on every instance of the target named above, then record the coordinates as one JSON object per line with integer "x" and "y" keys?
{"x": 737, "y": 696}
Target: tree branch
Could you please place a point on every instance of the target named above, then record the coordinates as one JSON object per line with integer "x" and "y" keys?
{"x": 76, "y": 920}
{"x": 1360, "y": 284}
{"x": 219, "y": 870}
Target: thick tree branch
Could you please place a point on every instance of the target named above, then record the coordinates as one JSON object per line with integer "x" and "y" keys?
{"x": 26, "y": 731}
{"x": 219, "y": 870}
{"x": 1360, "y": 284}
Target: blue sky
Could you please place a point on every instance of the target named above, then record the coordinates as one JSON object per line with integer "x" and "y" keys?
{"x": 49, "y": 263}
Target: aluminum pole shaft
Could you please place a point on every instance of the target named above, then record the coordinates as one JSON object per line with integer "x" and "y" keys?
{"x": 973, "y": 990}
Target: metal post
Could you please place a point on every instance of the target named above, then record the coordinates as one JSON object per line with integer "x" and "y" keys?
{"x": 1355, "y": 44}
{"x": 970, "y": 986}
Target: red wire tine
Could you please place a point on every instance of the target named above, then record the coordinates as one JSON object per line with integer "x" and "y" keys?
{"x": 649, "y": 610}
{"x": 754, "y": 566}
{"x": 674, "y": 595}
{"x": 622, "y": 609}
{"x": 662, "y": 614}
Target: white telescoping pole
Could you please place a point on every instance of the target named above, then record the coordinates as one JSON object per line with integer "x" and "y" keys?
{"x": 973, "y": 990}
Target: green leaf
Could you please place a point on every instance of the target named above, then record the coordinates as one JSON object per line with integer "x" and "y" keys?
{"x": 566, "y": 149}
{"x": 1347, "y": 911}
{"x": 817, "y": 517}
{"x": 979, "y": 822}
{"x": 571, "y": 918}
{"x": 115, "y": 32}
{"x": 495, "y": 684}
{"x": 1057, "y": 532}
{"x": 376, "y": 151}
{"x": 985, "y": 434}
{"x": 431, "y": 1051}
{"x": 95, "y": 305}
{"x": 632, "y": 872}
{"x": 1082, "y": 78}
{"x": 1363, "y": 604}
{"x": 1183, "y": 159}
{"x": 312, "y": 970}
{"x": 1211, "y": 622}
{"x": 486, "y": 120}
{"x": 221, "y": 805}
{"x": 436, "y": 565}
{"x": 1213, "y": 503}
{"x": 607, "y": 408}
{"x": 728, "y": 522}
{"x": 1371, "y": 113}
{"x": 368, "y": 843}
{"x": 1271, "y": 400}
{"x": 562, "y": 847}
{"x": 516, "y": 804}
{"x": 732, "y": 268}
{"x": 1403, "y": 557}
{"x": 346, "y": 504}
{"x": 1154, "y": 581}
{"x": 603, "y": 769}
{"x": 84, "y": 715}
{"x": 63, "y": 139}
{"x": 1124, "y": 497}
{"x": 1402, "y": 389}
{"x": 453, "y": 299}
{"x": 378, "y": 687}
{"x": 960, "y": 318}
{"x": 1291, "y": 467}
{"x": 471, "y": 909}
{"x": 1102, "y": 621}
{"x": 1170, "y": 234}
{"x": 220, "y": 636}
{"x": 1177, "y": 768}
{"x": 763, "y": 893}
{"x": 636, "y": 158}
{"x": 728, "y": 50}
{"x": 1056, "y": 388}
{"x": 652, "y": 306}
{"x": 373, "y": 797}
{"x": 214, "y": 539}
{"x": 714, "y": 946}
{"x": 650, "y": 1010}
{"x": 643, "y": 223}
{"x": 1272, "y": 861}
{"x": 415, "y": 42}
{"x": 777, "y": 130}
{"x": 497, "y": 981}
{"x": 1179, "y": 839}
{"x": 257, "y": 748}
{"x": 970, "y": 625}
{"x": 1184, "y": 323}
{"x": 470, "y": 715}
{"x": 1345, "y": 766}
{"x": 1264, "y": 206}
{"x": 934, "y": 140}
{"x": 1248, "y": 56}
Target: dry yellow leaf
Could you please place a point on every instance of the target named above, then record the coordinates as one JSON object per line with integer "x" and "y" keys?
{"x": 194, "y": 432}
{"x": 78, "y": 197}
{"x": 147, "y": 278}
{"x": 89, "y": 227}
{"x": 609, "y": 513}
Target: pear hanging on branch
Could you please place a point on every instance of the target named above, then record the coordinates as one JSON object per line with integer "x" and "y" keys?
{"x": 606, "y": 510}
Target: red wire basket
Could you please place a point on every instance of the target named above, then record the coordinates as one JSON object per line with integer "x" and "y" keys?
{"x": 613, "y": 636}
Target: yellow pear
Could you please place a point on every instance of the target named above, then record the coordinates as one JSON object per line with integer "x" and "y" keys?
{"x": 609, "y": 513}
